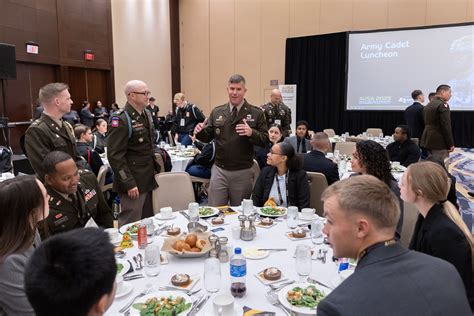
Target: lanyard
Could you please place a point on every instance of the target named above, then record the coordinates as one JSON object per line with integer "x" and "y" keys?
{"x": 280, "y": 197}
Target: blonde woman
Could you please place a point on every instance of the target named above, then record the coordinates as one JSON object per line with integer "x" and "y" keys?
{"x": 439, "y": 230}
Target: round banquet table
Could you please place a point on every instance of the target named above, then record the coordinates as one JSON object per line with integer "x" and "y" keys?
{"x": 273, "y": 237}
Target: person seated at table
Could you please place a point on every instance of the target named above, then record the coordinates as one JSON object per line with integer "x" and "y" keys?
{"x": 439, "y": 230}
{"x": 87, "y": 118}
{"x": 72, "y": 117}
{"x": 371, "y": 158}
{"x": 84, "y": 137}
{"x": 316, "y": 161}
{"x": 202, "y": 162}
{"x": 72, "y": 274}
{"x": 300, "y": 141}
{"x": 275, "y": 135}
{"x": 99, "y": 137}
{"x": 283, "y": 179}
{"x": 100, "y": 111}
{"x": 23, "y": 203}
{"x": 362, "y": 214}
{"x": 403, "y": 149}
{"x": 75, "y": 196}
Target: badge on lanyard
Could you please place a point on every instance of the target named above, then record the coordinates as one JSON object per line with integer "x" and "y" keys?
{"x": 278, "y": 122}
{"x": 181, "y": 122}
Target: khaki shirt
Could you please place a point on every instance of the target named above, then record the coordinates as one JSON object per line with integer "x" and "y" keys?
{"x": 132, "y": 158}
{"x": 234, "y": 152}
{"x": 44, "y": 136}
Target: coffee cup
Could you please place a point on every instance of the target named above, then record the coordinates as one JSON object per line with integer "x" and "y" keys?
{"x": 307, "y": 213}
{"x": 395, "y": 163}
{"x": 113, "y": 234}
{"x": 166, "y": 212}
{"x": 119, "y": 281}
{"x": 223, "y": 305}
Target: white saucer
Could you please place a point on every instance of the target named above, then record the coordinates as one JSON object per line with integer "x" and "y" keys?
{"x": 126, "y": 289}
{"x": 209, "y": 310}
{"x": 308, "y": 218}
{"x": 159, "y": 217}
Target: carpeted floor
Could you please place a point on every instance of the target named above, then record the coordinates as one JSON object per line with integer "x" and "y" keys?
{"x": 461, "y": 165}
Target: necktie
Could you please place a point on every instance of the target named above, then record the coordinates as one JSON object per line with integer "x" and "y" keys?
{"x": 234, "y": 113}
{"x": 73, "y": 198}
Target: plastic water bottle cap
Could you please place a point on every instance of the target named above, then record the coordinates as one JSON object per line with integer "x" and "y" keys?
{"x": 238, "y": 251}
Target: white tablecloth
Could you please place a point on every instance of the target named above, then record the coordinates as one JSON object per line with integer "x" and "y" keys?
{"x": 255, "y": 297}
{"x": 178, "y": 163}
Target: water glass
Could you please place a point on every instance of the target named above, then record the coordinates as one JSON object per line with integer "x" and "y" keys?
{"x": 247, "y": 206}
{"x": 336, "y": 154}
{"x": 193, "y": 211}
{"x": 212, "y": 275}
{"x": 317, "y": 236}
{"x": 303, "y": 261}
{"x": 152, "y": 260}
{"x": 291, "y": 216}
{"x": 150, "y": 226}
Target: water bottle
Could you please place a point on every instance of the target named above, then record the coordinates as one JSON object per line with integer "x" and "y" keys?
{"x": 343, "y": 264}
{"x": 116, "y": 210}
{"x": 238, "y": 270}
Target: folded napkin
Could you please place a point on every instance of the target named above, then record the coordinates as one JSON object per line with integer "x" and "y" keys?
{"x": 91, "y": 223}
{"x": 250, "y": 311}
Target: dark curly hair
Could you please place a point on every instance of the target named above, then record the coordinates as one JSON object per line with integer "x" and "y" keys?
{"x": 374, "y": 158}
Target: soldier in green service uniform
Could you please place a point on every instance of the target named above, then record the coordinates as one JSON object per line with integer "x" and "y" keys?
{"x": 130, "y": 152}
{"x": 276, "y": 112}
{"x": 236, "y": 127}
{"x": 50, "y": 132}
{"x": 437, "y": 136}
{"x": 75, "y": 196}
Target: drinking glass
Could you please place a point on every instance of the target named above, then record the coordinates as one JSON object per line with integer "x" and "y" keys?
{"x": 193, "y": 211}
{"x": 317, "y": 236}
{"x": 303, "y": 261}
{"x": 152, "y": 260}
{"x": 212, "y": 275}
{"x": 247, "y": 206}
{"x": 150, "y": 226}
{"x": 291, "y": 216}
{"x": 336, "y": 154}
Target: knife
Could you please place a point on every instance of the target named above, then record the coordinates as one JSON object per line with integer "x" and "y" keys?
{"x": 195, "y": 305}
{"x": 320, "y": 283}
{"x": 184, "y": 214}
{"x": 272, "y": 249}
{"x": 199, "y": 305}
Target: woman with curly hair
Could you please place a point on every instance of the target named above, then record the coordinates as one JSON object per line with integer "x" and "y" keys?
{"x": 371, "y": 158}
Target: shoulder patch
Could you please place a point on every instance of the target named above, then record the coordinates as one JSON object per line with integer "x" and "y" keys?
{"x": 115, "y": 121}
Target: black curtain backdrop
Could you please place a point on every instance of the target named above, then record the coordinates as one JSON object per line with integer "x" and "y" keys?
{"x": 317, "y": 65}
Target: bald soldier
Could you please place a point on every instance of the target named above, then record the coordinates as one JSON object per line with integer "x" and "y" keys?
{"x": 131, "y": 155}
{"x": 276, "y": 112}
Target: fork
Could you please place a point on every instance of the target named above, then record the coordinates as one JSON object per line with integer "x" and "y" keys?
{"x": 129, "y": 304}
{"x": 273, "y": 299}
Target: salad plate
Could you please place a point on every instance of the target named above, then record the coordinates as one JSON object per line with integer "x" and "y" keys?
{"x": 272, "y": 211}
{"x": 302, "y": 298}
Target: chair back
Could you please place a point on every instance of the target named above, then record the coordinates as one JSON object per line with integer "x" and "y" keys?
{"x": 175, "y": 189}
{"x": 256, "y": 171}
{"x": 374, "y": 132}
{"x": 346, "y": 148}
{"x": 101, "y": 178}
{"x": 317, "y": 184}
{"x": 330, "y": 132}
{"x": 415, "y": 140}
{"x": 410, "y": 215}
{"x": 160, "y": 162}
{"x": 171, "y": 139}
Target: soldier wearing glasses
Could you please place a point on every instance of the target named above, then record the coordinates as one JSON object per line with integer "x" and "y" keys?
{"x": 276, "y": 112}
{"x": 131, "y": 154}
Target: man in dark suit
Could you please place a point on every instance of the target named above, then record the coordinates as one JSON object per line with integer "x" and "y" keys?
{"x": 414, "y": 114}
{"x": 437, "y": 136}
{"x": 316, "y": 161}
{"x": 362, "y": 214}
{"x": 75, "y": 196}
{"x": 403, "y": 149}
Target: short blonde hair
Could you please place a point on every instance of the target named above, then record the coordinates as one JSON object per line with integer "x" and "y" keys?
{"x": 48, "y": 92}
{"x": 367, "y": 195}
{"x": 178, "y": 96}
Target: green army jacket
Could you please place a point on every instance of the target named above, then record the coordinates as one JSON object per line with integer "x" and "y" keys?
{"x": 437, "y": 134}
{"x": 280, "y": 115}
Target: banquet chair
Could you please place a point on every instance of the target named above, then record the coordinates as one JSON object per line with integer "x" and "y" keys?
{"x": 410, "y": 215}
{"x": 160, "y": 162}
{"x": 317, "y": 184}
{"x": 330, "y": 132}
{"x": 374, "y": 132}
{"x": 345, "y": 147}
{"x": 101, "y": 179}
{"x": 175, "y": 189}
{"x": 354, "y": 139}
{"x": 256, "y": 171}
{"x": 171, "y": 139}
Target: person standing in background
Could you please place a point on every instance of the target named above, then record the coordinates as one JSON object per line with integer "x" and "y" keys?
{"x": 437, "y": 136}
{"x": 414, "y": 114}
{"x": 277, "y": 112}
{"x": 187, "y": 116}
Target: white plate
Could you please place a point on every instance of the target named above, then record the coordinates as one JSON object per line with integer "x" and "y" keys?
{"x": 264, "y": 254}
{"x": 123, "y": 229}
{"x": 126, "y": 289}
{"x": 259, "y": 211}
{"x": 117, "y": 240}
{"x": 136, "y": 312}
{"x": 398, "y": 168}
{"x": 283, "y": 293}
{"x": 209, "y": 311}
{"x": 214, "y": 212}
{"x": 161, "y": 218}
{"x": 126, "y": 266}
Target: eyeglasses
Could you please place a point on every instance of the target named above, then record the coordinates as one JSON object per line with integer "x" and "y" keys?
{"x": 146, "y": 93}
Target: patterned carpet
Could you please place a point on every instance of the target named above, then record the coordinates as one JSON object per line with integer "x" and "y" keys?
{"x": 461, "y": 165}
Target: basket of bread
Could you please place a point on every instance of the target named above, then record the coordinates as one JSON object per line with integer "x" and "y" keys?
{"x": 188, "y": 246}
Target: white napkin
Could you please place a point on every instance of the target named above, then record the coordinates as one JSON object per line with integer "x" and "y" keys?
{"x": 91, "y": 223}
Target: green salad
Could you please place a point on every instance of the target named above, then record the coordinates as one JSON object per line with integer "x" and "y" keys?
{"x": 307, "y": 297}
{"x": 133, "y": 229}
{"x": 206, "y": 211}
{"x": 272, "y": 210}
{"x": 163, "y": 306}
{"x": 119, "y": 268}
